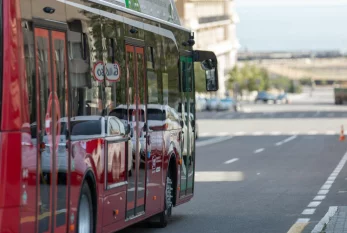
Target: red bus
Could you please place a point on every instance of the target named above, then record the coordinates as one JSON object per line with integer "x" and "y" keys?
{"x": 94, "y": 95}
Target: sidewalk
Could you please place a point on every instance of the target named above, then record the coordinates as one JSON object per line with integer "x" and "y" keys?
{"x": 338, "y": 222}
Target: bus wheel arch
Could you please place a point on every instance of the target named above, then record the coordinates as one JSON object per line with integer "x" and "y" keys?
{"x": 88, "y": 190}
{"x": 161, "y": 220}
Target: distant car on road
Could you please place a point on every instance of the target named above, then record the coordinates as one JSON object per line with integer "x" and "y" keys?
{"x": 283, "y": 98}
{"x": 265, "y": 97}
{"x": 200, "y": 104}
{"x": 212, "y": 104}
{"x": 228, "y": 104}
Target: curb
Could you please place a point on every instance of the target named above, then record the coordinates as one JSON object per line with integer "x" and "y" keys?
{"x": 325, "y": 220}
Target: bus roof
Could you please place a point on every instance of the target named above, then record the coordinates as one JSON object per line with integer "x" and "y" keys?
{"x": 162, "y": 11}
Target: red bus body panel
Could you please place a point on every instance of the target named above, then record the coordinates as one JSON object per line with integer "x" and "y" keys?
{"x": 19, "y": 203}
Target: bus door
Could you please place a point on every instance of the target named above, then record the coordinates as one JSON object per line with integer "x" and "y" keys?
{"x": 137, "y": 118}
{"x": 52, "y": 122}
{"x": 188, "y": 124}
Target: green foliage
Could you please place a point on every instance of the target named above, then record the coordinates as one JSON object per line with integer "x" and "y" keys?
{"x": 253, "y": 78}
{"x": 281, "y": 83}
{"x": 306, "y": 81}
{"x": 294, "y": 87}
{"x": 249, "y": 77}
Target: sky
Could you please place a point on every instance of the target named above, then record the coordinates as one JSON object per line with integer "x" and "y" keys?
{"x": 292, "y": 25}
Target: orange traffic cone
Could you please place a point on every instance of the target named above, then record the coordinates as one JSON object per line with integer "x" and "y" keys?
{"x": 342, "y": 134}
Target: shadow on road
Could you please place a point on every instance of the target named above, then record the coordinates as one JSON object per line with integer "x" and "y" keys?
{"x": 271, "y": 115}
{"x": 144, "y": 226}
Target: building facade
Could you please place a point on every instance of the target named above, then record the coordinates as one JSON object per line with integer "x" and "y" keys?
{"x": 214, "y": 23}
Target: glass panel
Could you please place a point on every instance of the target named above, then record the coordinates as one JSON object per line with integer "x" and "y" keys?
{"x": 85, "y": 90}
{"x": 60, "y": 111}
{"x": 29, "y": 138}
{"x": 44, "y": 137}
{"x": 184, "y": 144}
{"x": 130, "y": 63}
{"x": 141, "y": 184}
{"x": 189, "y": 121}
{"x": 187, "y": 116}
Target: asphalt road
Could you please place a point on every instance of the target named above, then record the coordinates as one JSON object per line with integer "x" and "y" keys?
{"x": 270, "y": 174}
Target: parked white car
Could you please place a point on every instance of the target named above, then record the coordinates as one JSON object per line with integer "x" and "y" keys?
{"x": 101, "y": 130}
{"x": 187, "y": 127}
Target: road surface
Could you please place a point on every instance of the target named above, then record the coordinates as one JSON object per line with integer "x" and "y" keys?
{"x": 269, "y": 169}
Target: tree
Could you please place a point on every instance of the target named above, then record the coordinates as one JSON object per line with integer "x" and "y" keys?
{"x": 249, "y": 77}
{"x": 281, "y": 82}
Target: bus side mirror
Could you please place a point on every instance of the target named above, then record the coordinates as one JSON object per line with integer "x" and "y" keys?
{"x": 211, "y": 74}
{"x": 209, "y": 64}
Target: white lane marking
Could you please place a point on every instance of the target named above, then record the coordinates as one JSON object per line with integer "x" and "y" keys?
{"x": 204, "y": 134}
{"x": 303, "y": 220}
{"x": 313, "y": 204}
{"x": 231, "y": 161}
{"x": 330, "y": 132}
{"x": 219, "y": 176}
{"x": 323, "y": 192}
{"x": 275, "y": 133}
{"x": 222, "y": 133}
{"x": 259, "y": 150}
{"x": 326, "y": 187}
{"x": 341, "y": 191}
{"x": 212, "y": 141}
{"x": 247, "y": 110}
{"x": 240, "y": 133}
{"x": 286, "y": 140}
{"x": 258, "y": 133}
{"x": 312, "y": 132}
{"x": 308, "y": 211}
{"x": 319, "y": 227}
{"x": 332, "y": 178}
{"x": 319, "y": 198}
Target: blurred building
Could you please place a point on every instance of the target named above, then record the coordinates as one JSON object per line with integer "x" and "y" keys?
{"x": 214, "y": 24}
